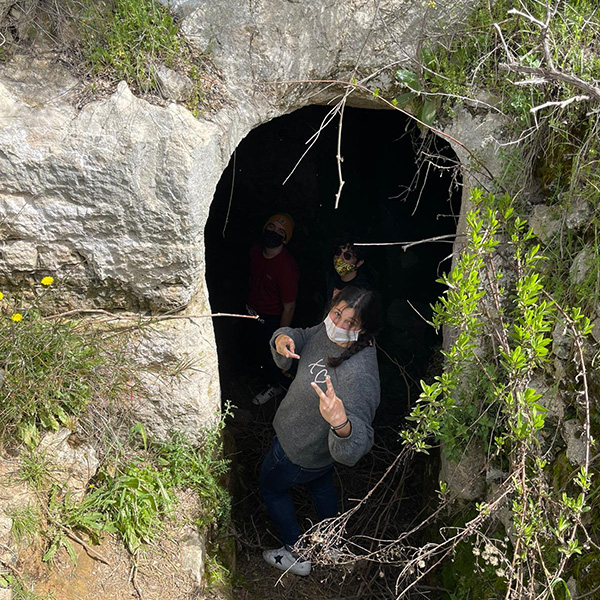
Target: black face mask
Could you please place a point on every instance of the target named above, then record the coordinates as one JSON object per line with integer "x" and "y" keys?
{"x": 271, "y": 239}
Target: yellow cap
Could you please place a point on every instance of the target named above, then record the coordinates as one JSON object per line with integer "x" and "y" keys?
{"x": 285, "y": 221}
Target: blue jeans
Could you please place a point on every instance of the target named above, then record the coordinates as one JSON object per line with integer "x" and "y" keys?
{"x": 278, "y": 475}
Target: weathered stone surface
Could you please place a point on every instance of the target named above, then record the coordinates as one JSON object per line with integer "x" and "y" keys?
{"x": 5, "y": 527}
{"x": 466, "y": 477}
{"x": 193, "y": 553}
{"x": 551, "y": 399}
{"x": 581, "y": 265}
{"x": 596, "y": 328}
{"x": 479, "y": 134}
{"x": 120, "y": 184}
{"x": 579, "y": 214}
{"x": 172, "y": 85}
{"x": 575, "y": 441}
{"x": 544, "y": 222}
{"x": 177, "y": 360}
{"x": 285, "y": 41}
{"x": 72, "y": 463}
{"x": 561, "y": 342}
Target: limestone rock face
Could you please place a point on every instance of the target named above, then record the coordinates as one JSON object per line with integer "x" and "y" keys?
{"x": 115, "y": 190}
{"x": 283, "y": 41}
{"x": 177, "y": 360}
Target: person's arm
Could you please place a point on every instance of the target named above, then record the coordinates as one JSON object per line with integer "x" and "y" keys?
{"x": 358, "y": 401}
{"x": 299, "y": 337}
{"x": 287, "y": 314}
{"x": 350, "y": 443}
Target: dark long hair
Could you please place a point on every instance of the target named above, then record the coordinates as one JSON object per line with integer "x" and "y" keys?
{"x": 366, "y": 310}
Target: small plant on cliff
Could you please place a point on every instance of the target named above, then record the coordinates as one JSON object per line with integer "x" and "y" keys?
{"x": 124, "y": 39}
{"x": 136, "y": 494}
{"x": 128, "y": 39}
{"x": 50, "y": 368}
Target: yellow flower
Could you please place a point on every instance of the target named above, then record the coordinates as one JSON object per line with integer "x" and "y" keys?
{"x": 48, "y": 281}
{"x": 1, "y": 296}
{"x": 17, "y": 317}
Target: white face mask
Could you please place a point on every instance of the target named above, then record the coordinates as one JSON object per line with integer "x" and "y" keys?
{"x": 337, "y": 334}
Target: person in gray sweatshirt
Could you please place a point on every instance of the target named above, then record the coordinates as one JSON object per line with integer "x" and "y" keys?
{"x": 326, "y": 415}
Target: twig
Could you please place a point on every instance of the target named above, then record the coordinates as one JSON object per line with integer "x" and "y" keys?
{"x": 11, "y": 568}
{"x": 562, "y": 104}
{"x": 132, "y": 578}
{"x": 93, "y": 553}
{"x": 514, "y": 11}
{"x": 83, "y": 311}
{"x": 339, "y": 154}
{"x": 354, "y": 85}
{"x": 230, "y": 193}
{"x": 407, "y": 245}
{"x": 555, "y": 75}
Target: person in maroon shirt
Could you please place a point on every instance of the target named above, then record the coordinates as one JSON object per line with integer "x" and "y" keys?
{"x": 273, "y": 290}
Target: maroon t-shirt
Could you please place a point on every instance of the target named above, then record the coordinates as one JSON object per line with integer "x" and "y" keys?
{"x": 273, "y": 281}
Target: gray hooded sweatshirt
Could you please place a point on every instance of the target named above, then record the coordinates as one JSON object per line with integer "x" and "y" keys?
{"x": 303, "y": 433}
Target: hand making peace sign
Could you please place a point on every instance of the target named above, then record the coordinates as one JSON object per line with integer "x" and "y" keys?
{"x": 332, "y": 408}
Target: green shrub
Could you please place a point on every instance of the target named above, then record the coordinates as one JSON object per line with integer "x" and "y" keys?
{"x": 50, "y": 369}
{"x": 124, "y": 39}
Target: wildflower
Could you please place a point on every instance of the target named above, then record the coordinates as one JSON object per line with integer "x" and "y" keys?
{"x": 48, "y": 281}
{"x": 500, "y": 572}
{"x": 1, "y": 296}
{"x": 493, "y": 561}
{"x": 17, "y": 317}
{"x": 421, "y": 564}
{"x": 476, "y": 552}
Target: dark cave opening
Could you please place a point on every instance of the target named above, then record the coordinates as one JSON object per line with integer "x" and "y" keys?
{"x": 400, "y": 186}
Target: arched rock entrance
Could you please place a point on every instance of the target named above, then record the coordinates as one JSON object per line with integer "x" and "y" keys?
{"x": 399, "y": 186}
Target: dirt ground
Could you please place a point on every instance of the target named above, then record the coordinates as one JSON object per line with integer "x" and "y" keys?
{"x": 108, "y": 571}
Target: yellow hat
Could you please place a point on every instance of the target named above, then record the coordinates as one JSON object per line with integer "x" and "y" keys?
{"x": 285, "y": 221}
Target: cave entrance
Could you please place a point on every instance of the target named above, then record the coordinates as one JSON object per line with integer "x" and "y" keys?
{"x": 399, "y": 186}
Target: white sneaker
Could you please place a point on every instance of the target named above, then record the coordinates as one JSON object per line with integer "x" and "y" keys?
{"x": 284, "y": 560}
{"x": 270, "y": 392}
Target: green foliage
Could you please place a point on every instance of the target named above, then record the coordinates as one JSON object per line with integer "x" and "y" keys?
{"x": 64, "y": 516}
{"x": 51, "y": 369}
{"x": 134, "y": 502}
{"x": 128, "y": 39}
{"x": 503, "y": 318}
{"x": 124, "y": 39}
{"x": 35, "y": 470}
{"x": 136, "y": 496}
{"x": 426, "y": 107}
{"x": 20, "y": 588}
{"x": 200, "y": 469}
{"x": 26, "y": 524}
{"x": 133, "y": 497}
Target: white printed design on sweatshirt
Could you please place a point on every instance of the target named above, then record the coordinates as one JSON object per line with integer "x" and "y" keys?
{"x": 322, "y": 373}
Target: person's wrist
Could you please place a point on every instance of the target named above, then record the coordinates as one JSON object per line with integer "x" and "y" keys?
{"x": 340, "y": 426}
